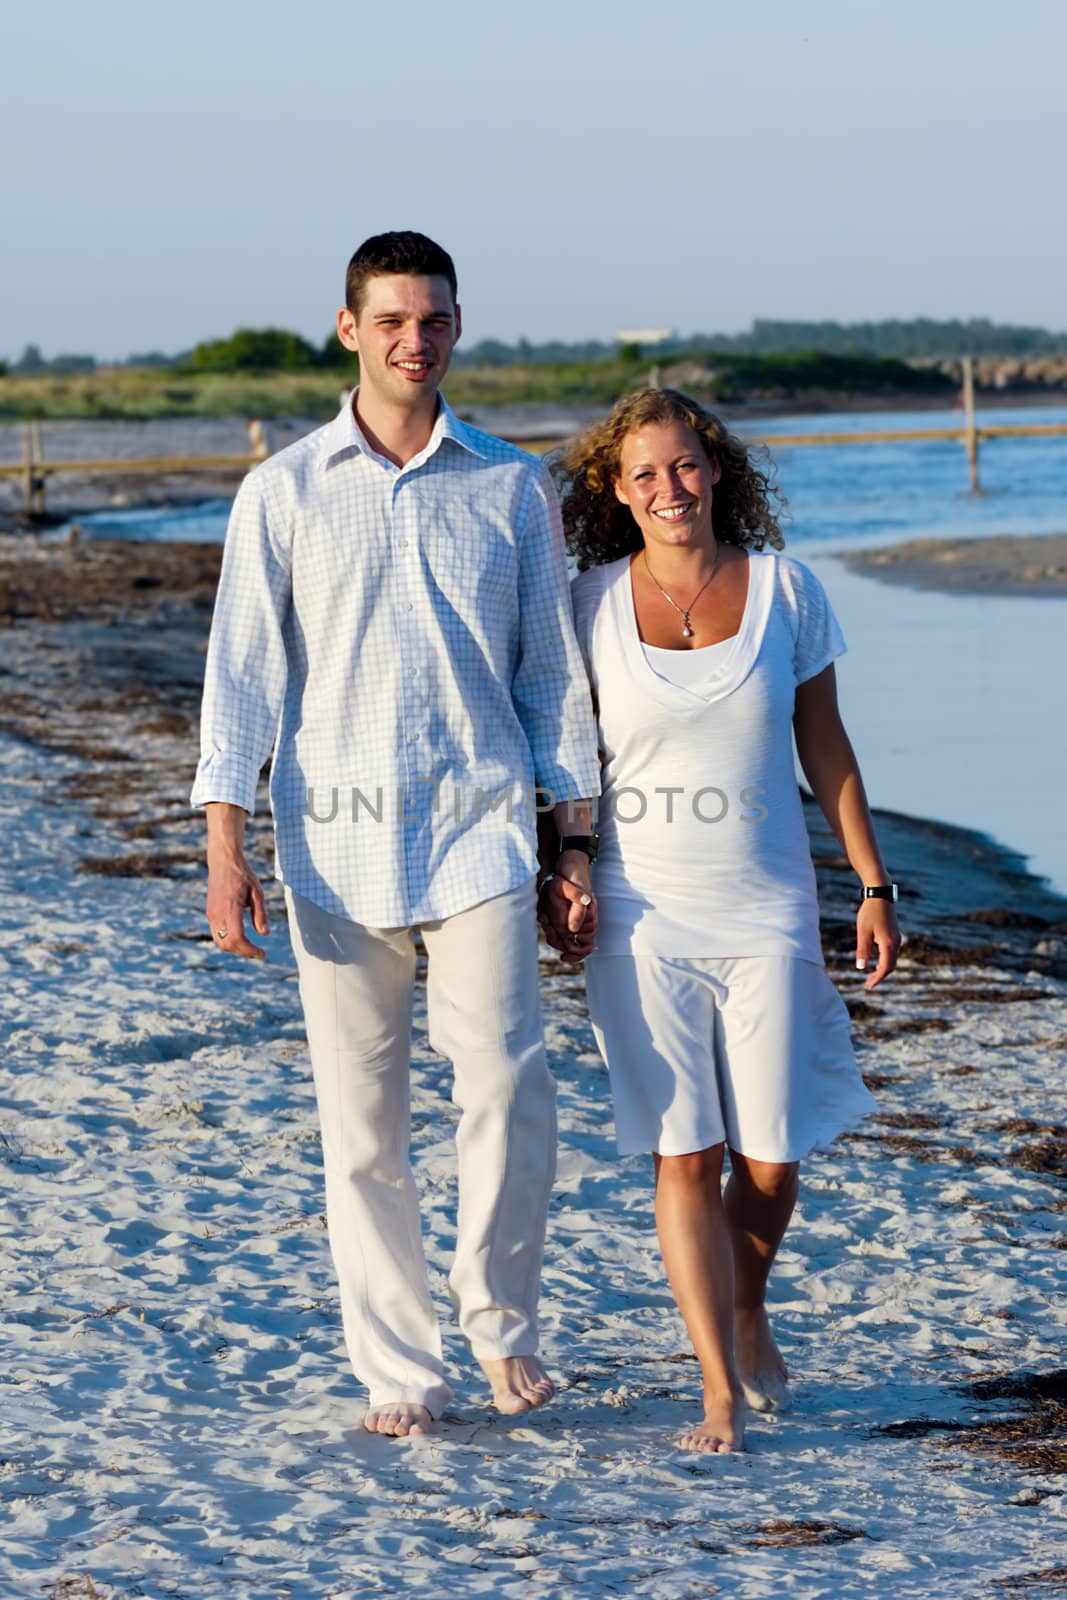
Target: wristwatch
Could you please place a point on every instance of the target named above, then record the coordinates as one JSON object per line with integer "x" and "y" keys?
{"x": 588, "y": 843}
{"x": 880, "y": 891}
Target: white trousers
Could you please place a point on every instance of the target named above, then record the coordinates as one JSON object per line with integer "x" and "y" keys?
{"x": 356, "y": 985}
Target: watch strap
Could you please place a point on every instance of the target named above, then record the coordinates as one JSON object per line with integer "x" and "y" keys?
{"x": 588, "y": 843}
{"x": 880, "y": 891}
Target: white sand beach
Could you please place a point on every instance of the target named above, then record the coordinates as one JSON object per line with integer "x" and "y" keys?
{"x": 179, "y": 1419}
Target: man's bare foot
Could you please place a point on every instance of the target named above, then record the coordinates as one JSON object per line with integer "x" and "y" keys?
{"x": 764, "y": 1375}
{"x": 722, "y": 1431}
{"x": 398, "y": 1418}
{"x": 519, "y": 1383}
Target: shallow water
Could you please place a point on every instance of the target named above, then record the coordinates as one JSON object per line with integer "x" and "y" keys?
{"x": 859, "y": 494}
{"x": 954, "y": 704}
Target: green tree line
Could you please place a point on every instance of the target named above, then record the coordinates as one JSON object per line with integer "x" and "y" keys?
{"x": 263, "y": 350}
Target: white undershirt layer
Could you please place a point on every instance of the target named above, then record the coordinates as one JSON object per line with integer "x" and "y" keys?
{"x": 685, "y": 667}
{"x": 704, "y": 850}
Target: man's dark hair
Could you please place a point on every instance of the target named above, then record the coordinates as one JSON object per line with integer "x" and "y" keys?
{"x": 389, "y": 254}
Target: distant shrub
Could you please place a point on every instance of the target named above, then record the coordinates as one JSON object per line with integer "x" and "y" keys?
{"x": 334, "y": 355}
{"x": 791, "y": 370}
{"x": 253, "y": 350}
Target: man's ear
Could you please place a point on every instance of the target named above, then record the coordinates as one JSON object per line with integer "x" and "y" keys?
{"x": 459, "y": 322}
{"x": 346, "y": 330}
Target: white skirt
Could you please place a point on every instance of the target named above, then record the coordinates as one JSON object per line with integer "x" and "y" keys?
{"x": 755, "y": 1051}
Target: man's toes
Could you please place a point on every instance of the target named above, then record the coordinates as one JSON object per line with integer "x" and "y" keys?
{"x": 512, "y": 1404}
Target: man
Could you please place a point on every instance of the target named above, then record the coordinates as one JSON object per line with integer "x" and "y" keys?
{"x": 393, "y": 620}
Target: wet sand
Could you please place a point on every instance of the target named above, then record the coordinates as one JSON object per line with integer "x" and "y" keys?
{"x": 1009, "y": 565}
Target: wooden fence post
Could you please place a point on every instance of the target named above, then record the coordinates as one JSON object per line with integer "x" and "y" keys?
{"x": 27, "y": 467}
{"x": 970, "y": 436}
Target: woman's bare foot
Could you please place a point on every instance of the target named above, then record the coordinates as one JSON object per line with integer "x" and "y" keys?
{"x": 722, "y": 1431}
{"x": 519, "y": 1383}
{"x": 398, "y": 1418}
{"x": 764, "y": 1375}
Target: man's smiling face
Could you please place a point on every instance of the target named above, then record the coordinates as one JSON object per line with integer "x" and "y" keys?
{"x": 404, "y": 334}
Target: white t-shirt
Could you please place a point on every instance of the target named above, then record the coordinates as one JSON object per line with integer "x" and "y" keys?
{"x": 704, "y": 851}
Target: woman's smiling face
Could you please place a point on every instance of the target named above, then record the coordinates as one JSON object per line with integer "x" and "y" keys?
{"x": 666, "y": 480}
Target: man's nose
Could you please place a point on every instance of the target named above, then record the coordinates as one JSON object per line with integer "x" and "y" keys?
{"x": 415, "y": 335}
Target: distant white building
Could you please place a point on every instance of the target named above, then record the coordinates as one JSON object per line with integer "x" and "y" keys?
{"x": 644, "y": 335}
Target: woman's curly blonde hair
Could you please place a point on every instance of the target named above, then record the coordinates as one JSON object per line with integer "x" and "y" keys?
{"x": 600, "y": 529}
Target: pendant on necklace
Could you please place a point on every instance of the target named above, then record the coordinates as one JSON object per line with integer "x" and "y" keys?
{"x": 687, "y": 631}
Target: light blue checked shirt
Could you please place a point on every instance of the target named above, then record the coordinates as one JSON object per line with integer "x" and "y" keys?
{"x": 402, "y": 639}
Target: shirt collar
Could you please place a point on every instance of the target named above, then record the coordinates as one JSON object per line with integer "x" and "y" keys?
{"x": 344, "y": 433}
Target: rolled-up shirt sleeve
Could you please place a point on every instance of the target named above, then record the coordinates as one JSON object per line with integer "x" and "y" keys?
{"x": 245, "y": 675}
{"x": 549, "y": 689}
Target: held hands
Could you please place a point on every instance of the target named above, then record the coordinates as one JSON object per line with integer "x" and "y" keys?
{"x": 876, "y": 926}
{"x": 233, "y": 889}
{"x": 566, "y": 908}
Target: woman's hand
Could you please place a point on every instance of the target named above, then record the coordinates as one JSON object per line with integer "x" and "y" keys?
{"x": 566, "y": 908}
{"x": 876, "y": 925}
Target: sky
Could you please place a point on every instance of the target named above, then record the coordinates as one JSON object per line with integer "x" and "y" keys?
{"x": 592, "y": 165}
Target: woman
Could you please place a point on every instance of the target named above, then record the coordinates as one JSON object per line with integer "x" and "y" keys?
{"x": 707, "y": 651}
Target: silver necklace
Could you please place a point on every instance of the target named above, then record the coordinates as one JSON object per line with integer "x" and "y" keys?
{"x": 683, "y": 611}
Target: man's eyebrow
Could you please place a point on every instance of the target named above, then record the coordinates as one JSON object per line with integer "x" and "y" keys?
{"x": 399, "y": 315}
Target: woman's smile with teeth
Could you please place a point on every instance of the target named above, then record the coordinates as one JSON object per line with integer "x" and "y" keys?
{"x": 674, "y": 513}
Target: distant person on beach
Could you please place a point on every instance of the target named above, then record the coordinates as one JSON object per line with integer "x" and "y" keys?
{"x": 707, "y": 651}
{"x": 394, "y": 622}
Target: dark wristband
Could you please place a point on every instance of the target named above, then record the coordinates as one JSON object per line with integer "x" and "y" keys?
{"x": 588, "y": 843}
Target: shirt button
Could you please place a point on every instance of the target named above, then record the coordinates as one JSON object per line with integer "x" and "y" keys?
{"x": 414, "y": 672}
{"x": 409, "y": 606}
{"x": 401, "y": 544}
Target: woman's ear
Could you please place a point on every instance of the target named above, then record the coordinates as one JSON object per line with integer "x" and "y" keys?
{"x": 716, "y": 468}
{"x": 620, "y": 493}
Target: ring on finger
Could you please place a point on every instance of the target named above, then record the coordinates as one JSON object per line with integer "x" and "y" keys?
{"x": 222, "y": 933}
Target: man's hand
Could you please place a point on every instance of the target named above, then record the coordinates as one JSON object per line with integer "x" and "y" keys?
{"x": 566, "y": 908}
{"x": 232, "y": 886}
{"x": 876, "y": 924}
